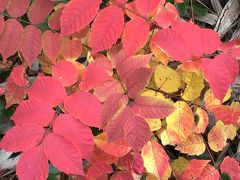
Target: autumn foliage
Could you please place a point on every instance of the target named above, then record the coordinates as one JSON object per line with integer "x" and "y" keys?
{"x": 150, "y": 99}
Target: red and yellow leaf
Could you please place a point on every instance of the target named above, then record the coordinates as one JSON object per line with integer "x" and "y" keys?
{"x": 155, "y": 159}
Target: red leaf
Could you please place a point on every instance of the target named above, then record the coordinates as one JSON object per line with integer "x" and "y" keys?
{"x": 121, "y": 176}
{"x": 54, "y": 18}
{"x": 152, "y": 107}
{"x": 102, "y": 62}
{"x": 18, "y": 8}
{"x": 65, "y": 72}
{"x": 2, "y": 91}
{"x": 33, "y": 164}
{"x": 22, "y": 137}
{"x": 33, "y": 111}
{"x": 76, "y": 133}
{"x": 125, "y": 67}
{"x": 18, "y": 75}
{"x": 106, "y": 89}
{"x": 138, "y": 80}
{"x": 197, "y": 39}
{"x": 31, "y": 44}
{"x": 98, "y": 169}
{"x": 77, "y": 14}
{"x": 167, "y": 15}
{"x": 231, "y": 167}
{"x": 146, "y": 6}
{"x": 47, "y": 89}
{"x": 115, "y": 127}
{"x": 137, "y": 132}
{"x": 10, "y": 38}
{"x": 85, "y": 107}
{"x": 39, "y": 10}
{"x": 137, "y": 164}
{"x": 106, "y": 29}
{"x": 220, "y": 72}
{"x": 92, "y": 77}
{"x": 172, "y": 43}
{"x": 2, "y": 22}
{"x": 3, "y": 5}
{"x": 51, "y": 44}
{"x": 63, "y": 155}
{"x": 111, "y": 107}
{"x": 185, "y": 40}
{"x": 209, "y": 172}
{"x": 135, "y": 34}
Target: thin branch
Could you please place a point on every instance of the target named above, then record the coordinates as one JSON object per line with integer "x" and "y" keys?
{"x": 192, "y": 10}
{"x": 134, "y": 12}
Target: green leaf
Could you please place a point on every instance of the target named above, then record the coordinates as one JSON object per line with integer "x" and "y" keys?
{"x": 53, "y": 170}
{"x": 181, "y": 8}
{"x": 225, "y": 176}
{"x": 199, "y": 9}
{"x": 51, "y": 177}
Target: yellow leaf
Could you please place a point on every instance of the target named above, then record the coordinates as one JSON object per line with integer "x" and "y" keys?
{"x": 154, "y": 124}
{"x": 178, "y": 166}
{"x": 194, "y": 145}
{"x": 202, "y": 121}
{"x": 168, "y": 173}
{"x": 194, "y": 85}
{"x": 231, "y": 131}
{"x": 217, "y": 137}
{"x": 181, "y": 122}
{"x": 165, "y": 139}
{"x": 149, "y": 92}
{"x": 167, "y": 79}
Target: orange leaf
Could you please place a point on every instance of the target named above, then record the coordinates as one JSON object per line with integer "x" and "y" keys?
{"x": 117, "y": 148}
